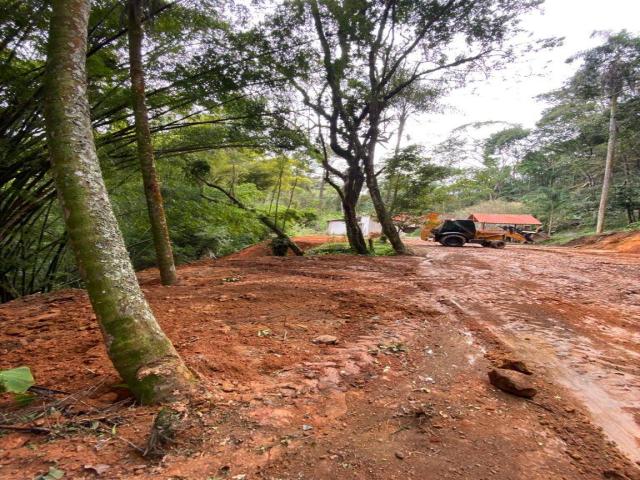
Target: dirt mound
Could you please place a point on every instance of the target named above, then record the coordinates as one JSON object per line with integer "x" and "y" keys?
{"x": 262, "y": 249}
{"x": 252, "y": 251}
{"x": 624, "y": 242}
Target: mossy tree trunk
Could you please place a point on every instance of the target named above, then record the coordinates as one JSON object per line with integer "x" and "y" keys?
{"x": 139, "y": 350}
{"x": 353, "y": 182}
{"x": 157, "y": 218}
{"x": 349, "y": 193}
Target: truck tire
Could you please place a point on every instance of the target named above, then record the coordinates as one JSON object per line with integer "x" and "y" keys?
{"x": 498, "y": 244}
{"x": 453, "y": 241}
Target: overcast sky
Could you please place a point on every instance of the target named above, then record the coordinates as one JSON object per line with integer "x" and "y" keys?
{"x": 509, "y": 96}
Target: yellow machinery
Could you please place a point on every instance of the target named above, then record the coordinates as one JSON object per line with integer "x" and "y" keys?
{"x": 456, "y": 233}
{"x": 432, "y": 221}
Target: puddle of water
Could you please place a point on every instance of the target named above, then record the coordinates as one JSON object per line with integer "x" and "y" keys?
{"x": 573, "y": 360}
{"x": 608, "y": 412}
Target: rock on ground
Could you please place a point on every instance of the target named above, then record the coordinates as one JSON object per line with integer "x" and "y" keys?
{"x": 325, "y": 340}
{"x": 517, "y": 365}
{"x": 512, "y": 382}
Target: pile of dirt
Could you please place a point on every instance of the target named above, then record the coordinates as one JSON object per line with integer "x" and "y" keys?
{"x": 623, "y": 242}
{"x": 263, "y": 249}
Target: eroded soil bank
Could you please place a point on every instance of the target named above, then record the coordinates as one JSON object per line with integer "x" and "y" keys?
{"x": 403, "y": 394}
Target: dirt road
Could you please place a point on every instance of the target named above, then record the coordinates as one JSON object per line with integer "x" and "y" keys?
{"x": 402, "y": 395}
{"x": 575, "y": 314}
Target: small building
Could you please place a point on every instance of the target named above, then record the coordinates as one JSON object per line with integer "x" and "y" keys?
{"x": 486, "y": 221}
{"x": 336, "y": 227}
{"x": 368, "y": 225}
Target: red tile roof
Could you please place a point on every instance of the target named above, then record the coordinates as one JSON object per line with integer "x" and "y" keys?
{"x": 504, "y": 218}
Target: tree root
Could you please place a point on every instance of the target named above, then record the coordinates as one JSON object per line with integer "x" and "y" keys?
{"x": 163, "y": 432}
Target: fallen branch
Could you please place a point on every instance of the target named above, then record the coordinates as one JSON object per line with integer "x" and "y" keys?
{"x": 266, "y": 221}
{"x": 38, "y": 430}
{"x": 122, "y": 439}
{"x": 46, "y": 391}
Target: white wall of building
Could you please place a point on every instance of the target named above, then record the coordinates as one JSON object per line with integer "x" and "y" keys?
{"x": 367, "y": 224}
{"x": 336, "y": 227}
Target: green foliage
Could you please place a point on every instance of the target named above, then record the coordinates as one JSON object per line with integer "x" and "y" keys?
{"x": 340, "y": 248}
{"x": 410, "y": 180}
{"x": 565, "y": 236}
{"x": 198, "y": 227}
{"x": 195, "y": 106}
{"x": 633, "y": 226}
{"x": 334, "y": 248}
{"x": 382, "y": 249}
{"x": 16, "y": 380}
{"x": 555, "y": 171}
{"x": 52, "y": 474}
{"x": 610, "y": 69}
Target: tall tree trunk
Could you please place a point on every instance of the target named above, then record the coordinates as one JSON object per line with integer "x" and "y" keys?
{"x": 394, "y": 197}
{"x": 350, "y": 195}
{"x": 388, "y": 228}
{"x": 139, "y": 350}
{"x": 628, "y": 200}
{"x": 629, "y": 209}
{"x": 159, "y": 230}
{"x": 608, "y": 166}
{"x": 277, "y": 199}
{"x": 293, "y": 189}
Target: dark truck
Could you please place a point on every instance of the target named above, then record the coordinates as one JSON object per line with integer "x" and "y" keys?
{"x": 455, "y": 233}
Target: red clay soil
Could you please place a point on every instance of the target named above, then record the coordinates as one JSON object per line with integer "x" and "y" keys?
{"x": 623, "y": 242}
{"x": 403, "y": 395}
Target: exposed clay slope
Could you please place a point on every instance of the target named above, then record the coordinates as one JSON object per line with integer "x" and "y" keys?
{"x": 404, "y": 394}
{"x": 624, "y": 242}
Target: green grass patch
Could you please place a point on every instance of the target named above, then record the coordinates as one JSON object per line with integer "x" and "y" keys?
{"x": 633, "y": 226}
{"x": 343, "y": 248}
{"x": 560, "y": 238}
